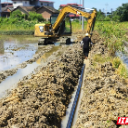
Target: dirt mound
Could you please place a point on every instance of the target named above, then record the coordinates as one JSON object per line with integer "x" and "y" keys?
{"x": 41, "y": 101}
{"x": 106, "y": 98}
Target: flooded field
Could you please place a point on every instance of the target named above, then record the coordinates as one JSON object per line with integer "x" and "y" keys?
{"x": 21, "y": 57}
{"x": 15, "y": 50}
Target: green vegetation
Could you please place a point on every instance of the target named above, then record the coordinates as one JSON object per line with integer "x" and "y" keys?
{"x": 77, "y": 26}
{"x": 19, "y": 22}
{"x": 120, "y": 14}
{"x": 113, "y": 34}
{"x": 98, "y": 58}
{"x": 116, "y": 62}
{"x": 122, "y": 70}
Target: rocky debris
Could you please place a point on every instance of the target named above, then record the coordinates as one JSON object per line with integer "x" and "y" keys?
{"x": 39, "y": 53}
{"x": 41, "y": 101}
{"x": 105, "y": 95}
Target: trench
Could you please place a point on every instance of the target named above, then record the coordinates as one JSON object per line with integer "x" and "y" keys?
{"x": 69, "y": 121}
{"x": 11, "y": 81}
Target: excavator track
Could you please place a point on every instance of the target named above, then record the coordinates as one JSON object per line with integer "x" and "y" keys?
{"x": 45, "y": 41}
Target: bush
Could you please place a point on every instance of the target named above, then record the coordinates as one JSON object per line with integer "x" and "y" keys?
{"x": 107, "y": 18}
{"x": 16, "y": 14}
{"x": 115, "y": 18}
{"x": 122, "y": 71}
{"x": 35, "y": 16}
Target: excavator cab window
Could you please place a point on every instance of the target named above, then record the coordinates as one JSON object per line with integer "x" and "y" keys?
{"x": 68, "y": 27}
{"x": 65, "y": 27}
{"x": 53, "y": 18}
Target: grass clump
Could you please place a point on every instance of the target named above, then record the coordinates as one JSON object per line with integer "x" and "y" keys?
{"x": 100, "y": 59}
{"x": 116, "y": 62}
{"x": 122, "y": 71}
{"x": 121, "y": 68}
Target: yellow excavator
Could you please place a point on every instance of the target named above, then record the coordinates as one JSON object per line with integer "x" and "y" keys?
{"x": 60, "y": 25}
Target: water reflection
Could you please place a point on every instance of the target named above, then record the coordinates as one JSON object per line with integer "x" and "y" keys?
{"x": 1, "y": 47}
{"x": 14, "y": 51}
{"x": 11, "y": 81}
{"x": 123, "y": 56}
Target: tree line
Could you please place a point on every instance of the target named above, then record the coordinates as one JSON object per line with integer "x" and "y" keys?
{"x": 120, "y": 14}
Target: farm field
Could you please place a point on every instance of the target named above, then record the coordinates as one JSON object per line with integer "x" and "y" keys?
{"x": 49, "y": 75}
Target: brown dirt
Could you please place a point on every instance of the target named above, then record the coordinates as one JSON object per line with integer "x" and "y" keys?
{"x": 41, "y": 101}
{"x": 105, "y": 94}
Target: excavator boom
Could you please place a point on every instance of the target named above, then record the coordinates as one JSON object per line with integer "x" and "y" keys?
{"x": 70, "y": 9}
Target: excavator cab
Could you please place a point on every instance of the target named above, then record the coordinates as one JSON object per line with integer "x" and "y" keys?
{"x": 65, "y": 28}
{"x": 53, "y": 18}
{"x": 45, "y": 30}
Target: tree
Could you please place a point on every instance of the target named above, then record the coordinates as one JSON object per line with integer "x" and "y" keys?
{"x": 100, "y": 15}
{"x": 35, "y": 16}
{"x": 122, "y": 12}
{"x": 16, "y": 14}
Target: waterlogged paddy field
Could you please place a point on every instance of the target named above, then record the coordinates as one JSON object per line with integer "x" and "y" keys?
{"x": 15, "y": 50}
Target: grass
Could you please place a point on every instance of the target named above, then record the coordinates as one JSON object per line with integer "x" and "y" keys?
{"x": 76, "y": 26}
{"x": 122, "y": 71}
{"x": 120, "y": 67}
{"x": 113, "y": 34}
{"x": 100, "y": 59}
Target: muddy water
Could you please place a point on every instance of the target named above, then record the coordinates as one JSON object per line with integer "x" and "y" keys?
{"x": 14, "y": 51}
{"x": 11, "y": 81}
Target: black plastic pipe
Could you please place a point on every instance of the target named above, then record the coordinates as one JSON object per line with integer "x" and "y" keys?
{"x": 69, "y": 124}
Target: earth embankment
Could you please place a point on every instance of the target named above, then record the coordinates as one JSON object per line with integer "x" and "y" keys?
{"x": 105, "y": 93}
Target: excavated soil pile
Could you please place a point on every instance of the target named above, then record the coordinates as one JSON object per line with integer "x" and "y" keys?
{"x": 40, "y": 102}
{"x": 105, "y": 96}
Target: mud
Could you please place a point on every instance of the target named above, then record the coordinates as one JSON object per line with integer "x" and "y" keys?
{"x": 38, "y": 54}
{"x": 41, "y": 101}
{"x": 104, "y": 94}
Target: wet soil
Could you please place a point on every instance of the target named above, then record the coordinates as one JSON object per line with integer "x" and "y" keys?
{"x": 104, "y": 94}
{"x": 41, "y": 101}
{"x": 17, "y": 52}
{"x": 25, "y": 73}
{"x": 5, "y": 73}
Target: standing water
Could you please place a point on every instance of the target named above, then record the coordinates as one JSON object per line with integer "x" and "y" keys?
{"x": 14, "y": 51}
